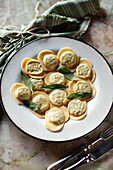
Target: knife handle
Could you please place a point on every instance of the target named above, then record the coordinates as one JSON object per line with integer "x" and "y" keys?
{"x": 82, "y": 161}
{"x": 62, "y": 162}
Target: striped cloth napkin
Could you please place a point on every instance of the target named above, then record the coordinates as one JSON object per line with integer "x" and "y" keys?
{"x": 67, "y": 18}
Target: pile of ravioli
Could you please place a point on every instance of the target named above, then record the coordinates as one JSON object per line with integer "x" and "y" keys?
{"x": 55, "y": 108}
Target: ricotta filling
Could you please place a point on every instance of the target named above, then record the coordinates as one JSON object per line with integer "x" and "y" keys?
{"x": 68, "y": 59}
{"x": 83, "y": 70}
{"x": 34, "y": 68}
{"x": 57, "y": 78}
{"x": 50, "y": 61}
{"x": 23, "y": 93}
{"x": 76, "y": 107}
{"x": 57, "y": 97}
{"x": 56, "y": 116}
{"x": 82, "y": 86}
{"x": 37, "y": 84}
{"x": 42, "y": 102}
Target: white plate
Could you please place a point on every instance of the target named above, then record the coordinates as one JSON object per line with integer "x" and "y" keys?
{"x": 97, "y": 109}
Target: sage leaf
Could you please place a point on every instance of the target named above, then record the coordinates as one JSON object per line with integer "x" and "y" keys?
{"x": 67, "y": 73}
{"x": 78, "y": 95}
{"x": 31, "y": 105}
{"x": 54, "y": 87}
{"x": 26, "y": 80}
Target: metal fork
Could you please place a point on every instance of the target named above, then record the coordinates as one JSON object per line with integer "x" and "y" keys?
{"x": 107, "y": 134}
{"x": 58, "y": 165}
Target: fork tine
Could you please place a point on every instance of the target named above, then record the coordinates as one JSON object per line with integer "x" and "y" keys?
{"x": 110, "y": 133}
{"x": 107, "y": 131}
{"x": 109, "y": 137}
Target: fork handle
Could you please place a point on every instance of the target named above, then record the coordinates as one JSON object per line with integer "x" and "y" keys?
{"x": 62, "y": 162}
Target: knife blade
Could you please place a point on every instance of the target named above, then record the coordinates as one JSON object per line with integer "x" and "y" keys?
{"x": 102, "y": 150}
{"x": 94, "y": 155}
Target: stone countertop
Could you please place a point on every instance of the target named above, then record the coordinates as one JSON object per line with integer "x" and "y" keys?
{"x": 19, "y": 151}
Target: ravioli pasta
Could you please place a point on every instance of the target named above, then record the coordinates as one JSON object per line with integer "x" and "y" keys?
{"x": 54, "y": 78}
{"x": 55, "y": 108}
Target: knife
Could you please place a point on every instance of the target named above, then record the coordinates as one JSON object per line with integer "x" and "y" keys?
{"x": 94, "y": 155}
{"x": 70, "y": 159}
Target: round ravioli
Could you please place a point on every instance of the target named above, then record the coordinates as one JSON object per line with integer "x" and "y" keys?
{"x": 68, "y": 58}
{"x": 20, "y": 92}
{"x": 77, "y": 109}
{"x": 48, "y": 59}
{"x": 85, "y": 71}
{"x": 55, "y": 118}
{"x": 33, "y": 68}
{"x": 57, "y": 97}
{"x": 42, "y": 100}
{"x": 64, "y": 110}
{"x": 37, "y": 84}
{"x": 85, "y": 86}
{"x": 54, "y": 78}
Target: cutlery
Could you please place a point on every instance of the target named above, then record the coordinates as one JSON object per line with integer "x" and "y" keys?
{"x": 107, "y": 134}
{"x": 94, "y": 155}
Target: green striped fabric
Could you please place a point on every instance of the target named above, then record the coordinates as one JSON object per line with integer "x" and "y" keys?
{"x": 75, "y": 8}
{"x": 67, "y": 18}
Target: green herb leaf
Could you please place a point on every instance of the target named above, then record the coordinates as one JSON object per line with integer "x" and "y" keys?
{"x": 31, "y": 105}
{"x": 67, "y": 73}
{"x": 78, "y": 95}
{"x": 108, "y": 54}
{"x": 26, "y": 80}
{"x": 54, "y": 87}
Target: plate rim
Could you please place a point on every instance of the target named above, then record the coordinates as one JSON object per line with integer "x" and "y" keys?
{"x": 47, "y": 140}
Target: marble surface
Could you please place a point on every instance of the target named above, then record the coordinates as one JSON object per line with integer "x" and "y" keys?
{"x": 19, "y": 151}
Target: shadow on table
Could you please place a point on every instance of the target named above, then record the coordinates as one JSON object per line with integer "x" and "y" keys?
{"x": 1, "y": 113}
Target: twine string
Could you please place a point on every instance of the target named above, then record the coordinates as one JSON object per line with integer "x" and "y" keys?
{"x": 37, "y": 8}
{"x": 29, "y": 31}
{"x": 22, "y": 35}
{"x": 38, "y": 35}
